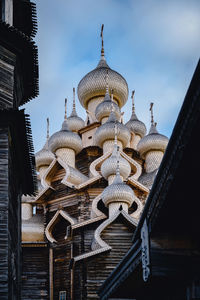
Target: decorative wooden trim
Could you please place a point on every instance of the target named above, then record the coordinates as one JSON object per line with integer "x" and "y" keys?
{"x": 88, "y": 222}
{"x": 53, "y": 222}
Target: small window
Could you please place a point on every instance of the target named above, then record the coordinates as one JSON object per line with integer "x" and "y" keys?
{"x": 62, "y": 295}
{"x": 34, "y": 210}
{"x": 90, "y": 137}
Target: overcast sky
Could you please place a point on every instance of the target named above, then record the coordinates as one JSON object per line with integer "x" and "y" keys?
{"x": 153, "y": 44}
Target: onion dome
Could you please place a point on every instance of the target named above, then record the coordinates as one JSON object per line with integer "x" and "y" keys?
{"x": 105, "y": 107}
{"x": 107, "y": 131}
{"x": 65, "y": 138}
{"x": 134, "y": 125}
{"x": 74, "y": 122}
{"x": 109, "y": 166}
{"x": 44, "y": 157}
{"x": 93, "y": 84}
{"x": 152, "y": 141}
{"x": 118, "y": 191}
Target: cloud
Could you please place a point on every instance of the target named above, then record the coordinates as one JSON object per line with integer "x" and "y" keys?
{"x": 153, "y": 44}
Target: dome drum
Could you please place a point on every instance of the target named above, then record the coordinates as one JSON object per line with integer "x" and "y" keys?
{"x": 65, "y": 139}
{"x": 67, "y": 155}
{"x": 152, "y": 142}
{"x": 134, "y": 140}
{"x": 153, "y": 160}
{"x": 107, "y": 132}
{"x": 108, "y": 145}
{"x": 27, "y": 211}
{"x": 33, "y": 229}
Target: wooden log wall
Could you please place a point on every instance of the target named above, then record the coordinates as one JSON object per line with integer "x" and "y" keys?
{"x": 91, "y": 273}
{"x": 4, "y": 213}
{"x": 35, "y": 273}
{"x": 118, "y": 236}
{"x": 10, "y": 226}
{"x": 7, "y": 62}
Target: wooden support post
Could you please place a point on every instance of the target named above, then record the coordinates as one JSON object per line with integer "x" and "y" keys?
{"x": 72, "y": 275}
{"x": 51, "y": 273}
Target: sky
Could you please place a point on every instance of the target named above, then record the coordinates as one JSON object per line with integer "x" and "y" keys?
{"x": 153, "y": 44}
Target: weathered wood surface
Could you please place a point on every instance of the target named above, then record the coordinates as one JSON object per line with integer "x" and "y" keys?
{"x": 10, "y": 226}
{"x": 7, "y": 62}
{"x": 35, "y": 274}
{"x": 4, "y": 243}
{"x": 118, "y": 236}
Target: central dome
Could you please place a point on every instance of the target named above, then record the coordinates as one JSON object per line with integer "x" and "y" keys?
{"x": 93, "y": 85}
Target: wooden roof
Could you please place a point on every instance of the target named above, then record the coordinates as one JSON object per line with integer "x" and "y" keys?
{"x": 21, "y": 147}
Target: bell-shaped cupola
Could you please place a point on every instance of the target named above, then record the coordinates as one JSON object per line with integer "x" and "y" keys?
{"x": 44, "y": 157}
{"x": 152, "y": 146}
{"x": 91, "y": 88}
{"x": 137, "y": 128}
{"x": 65, "y": 143}
{"x": 104, "y": 109}
{"x": 74, "y": 122}
{"x": 109, "y": 166}
{"x": 105, "y": 134}
{"x": 117, "y": 194}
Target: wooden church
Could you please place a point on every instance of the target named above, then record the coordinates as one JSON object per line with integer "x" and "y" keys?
{"x": 94, "y": 177}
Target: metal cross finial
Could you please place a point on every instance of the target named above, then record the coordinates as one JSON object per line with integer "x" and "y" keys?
{"x": 74, "y": 104}
{"x": 65, "y": 109}
{"x": 102, "y": 45}
{"x": 47, "y": 128}
{"x": 133, "y": 104}
{"x": 151, "y": 110}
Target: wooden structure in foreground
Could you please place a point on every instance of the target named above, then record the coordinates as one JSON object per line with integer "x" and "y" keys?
{"x": 163, "y": 262}
{"x": 18, "y": 85}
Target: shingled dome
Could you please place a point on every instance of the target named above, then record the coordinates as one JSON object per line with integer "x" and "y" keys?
{"x": 65, "y": 138}
{"x": 93, "y": 84}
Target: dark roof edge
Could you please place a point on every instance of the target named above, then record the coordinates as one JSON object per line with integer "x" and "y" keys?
{"x": 174, "y": 142}
{"x": 22, "y": 147}
{"x": 26, "y": 50}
